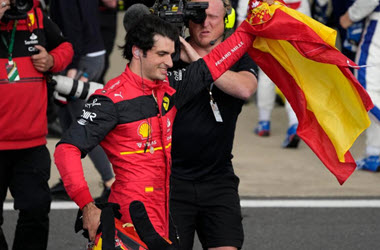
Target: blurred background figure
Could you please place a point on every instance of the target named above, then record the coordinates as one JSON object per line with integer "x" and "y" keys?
{"x": 79, "y": 22}
{"x": 266, "y": 94}
{"x": 328, "y": 12}
{"x": 368, "y": 55}
{"x": 108, "y": 25}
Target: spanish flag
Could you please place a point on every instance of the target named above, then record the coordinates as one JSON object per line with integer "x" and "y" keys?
{"x": 299, "y": 55}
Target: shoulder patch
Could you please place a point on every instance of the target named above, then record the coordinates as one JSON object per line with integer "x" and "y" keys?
{"x": 114, "y": 90}
{"x": 111, "y": 86}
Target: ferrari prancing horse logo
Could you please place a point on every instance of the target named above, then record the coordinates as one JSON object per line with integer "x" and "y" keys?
{"x": 165, "y": 103}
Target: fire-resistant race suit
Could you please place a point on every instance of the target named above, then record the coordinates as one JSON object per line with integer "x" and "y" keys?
{"x": 369, "y": 54}
{"x": 132, "y": 120}
{"x": 24, "y": 158}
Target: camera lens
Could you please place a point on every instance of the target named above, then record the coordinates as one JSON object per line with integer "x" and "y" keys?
{"x": 197, "y": 17}
{"x": 24, "y": 5}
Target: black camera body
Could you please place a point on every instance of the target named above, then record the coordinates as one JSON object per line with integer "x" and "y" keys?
{"x": 180, "y": 12}
{"x": 19, "y": 9}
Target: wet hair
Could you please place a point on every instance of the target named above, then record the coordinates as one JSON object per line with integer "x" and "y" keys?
{"x": 142, "y": 34}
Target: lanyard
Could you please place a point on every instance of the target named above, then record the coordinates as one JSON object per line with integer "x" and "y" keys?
{"x": 11, "y": 42}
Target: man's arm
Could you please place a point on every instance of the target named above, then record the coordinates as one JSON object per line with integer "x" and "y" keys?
{"x": 247, "y": 84}
{"x": 188, "y": 53}
{"x": 98, "y": 118}
{"x": 68, "y": 161}
{"x": 241, "y": 80}
{"x": 226, "y": 54}
{"x": 69, "y": 18}
{"x": 202, "y": 73}
{"x": 58, "y": 52}
{"x": 4, "y": 9}
{"x": 247, "y": 81}
{"x": 358, "y": 10}
{"x": 43, "y": 61}
{"x": 112, "y": 4}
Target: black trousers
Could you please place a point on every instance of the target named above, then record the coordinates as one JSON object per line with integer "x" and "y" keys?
{"x": 26, "y": 173}
{"x": 211, "y": 208}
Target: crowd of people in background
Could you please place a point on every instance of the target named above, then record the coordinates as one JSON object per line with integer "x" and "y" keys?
{"x": 76, "y": 41}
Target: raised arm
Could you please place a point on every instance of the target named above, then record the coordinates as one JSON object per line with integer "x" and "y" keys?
{"x": 201, "y": 73}
{"x": 226, "y": 54}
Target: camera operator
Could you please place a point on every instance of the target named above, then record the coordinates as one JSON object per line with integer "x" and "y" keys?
{"x": 132, "y": 119}
{"x": 31, "y": 44}
{"x": 204, "y": 189}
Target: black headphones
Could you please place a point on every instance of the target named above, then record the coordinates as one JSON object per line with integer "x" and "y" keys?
{"x": 229, "y": 21}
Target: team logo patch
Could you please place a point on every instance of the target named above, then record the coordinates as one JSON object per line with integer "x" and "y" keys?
{"x": 82, "y": 122}
{"x": 88, "y": 115}
{"x": 114, "y": 85}
{"x": 33, "y": 36}
{"x": 165, "y": 102}
{"x": 32, "y": 19}
{"x": 33, "y": 40}
{"x": 144, "y": 130}
{"x": 93, "y": 103}
{"x": 168, "y": 124}
{"x": 118, "y": 95}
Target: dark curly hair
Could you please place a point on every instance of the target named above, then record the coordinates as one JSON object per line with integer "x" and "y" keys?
{"x": 141, "y": 35}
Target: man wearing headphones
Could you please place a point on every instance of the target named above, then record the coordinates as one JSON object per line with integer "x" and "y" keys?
{"x": 204, "y": 189}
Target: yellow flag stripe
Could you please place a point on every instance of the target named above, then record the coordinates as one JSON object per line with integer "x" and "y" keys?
{"x": 142, "y": 151}
{"x": 326, "y": 33}
{"x": 332, "y": 98}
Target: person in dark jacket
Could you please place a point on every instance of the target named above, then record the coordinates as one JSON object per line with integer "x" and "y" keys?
{"x": 79, "y": 22}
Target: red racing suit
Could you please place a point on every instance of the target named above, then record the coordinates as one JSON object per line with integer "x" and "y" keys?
{"x": 23, "y": 121}
{"x": 132, "y": 120}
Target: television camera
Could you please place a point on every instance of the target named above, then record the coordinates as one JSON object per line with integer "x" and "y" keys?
{"x": 180, "y": 12}
{"x": 19, "y": 9}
